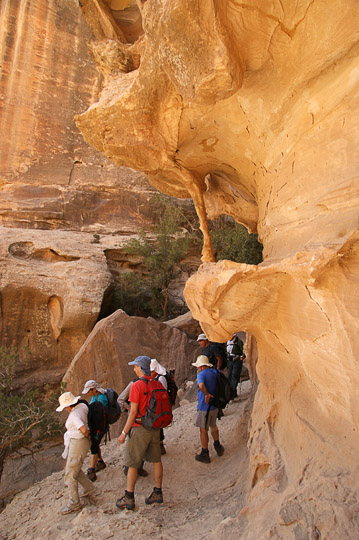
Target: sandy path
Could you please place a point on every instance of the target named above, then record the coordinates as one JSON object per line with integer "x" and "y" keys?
{"x": 200, "y": 500}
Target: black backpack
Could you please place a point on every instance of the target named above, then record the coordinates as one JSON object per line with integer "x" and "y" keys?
{"x": 171, "y": 386}
{"x": 96, "y": 419}
{"x": 224, "y": 391}
{"x": 114, "y": 408}
{"x": 222, "y": 349}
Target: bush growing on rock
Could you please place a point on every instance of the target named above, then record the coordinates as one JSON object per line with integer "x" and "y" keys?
{"x": 26, "y": 415}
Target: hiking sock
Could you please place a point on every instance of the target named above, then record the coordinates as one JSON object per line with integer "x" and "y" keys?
{"x": 100, "y": 461}
{"x": 130, "y": 494}
{"x": 205, "y": 450}
{"x": 92, "y": 469}
{"x": 157, "y": 490}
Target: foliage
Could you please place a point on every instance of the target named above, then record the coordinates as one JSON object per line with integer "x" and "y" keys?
{"x": 233, "y": 242}
{"x": 161, "y": 252}
{"x": 25, "y": 416}
{"x": 173, "y": 232}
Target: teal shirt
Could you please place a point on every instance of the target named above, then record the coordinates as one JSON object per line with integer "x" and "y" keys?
{"x": 102, "y": 398}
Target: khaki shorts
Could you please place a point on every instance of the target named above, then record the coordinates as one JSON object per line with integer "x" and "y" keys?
{"x": 142, "y": 444}
{"x": 211, "y": 420}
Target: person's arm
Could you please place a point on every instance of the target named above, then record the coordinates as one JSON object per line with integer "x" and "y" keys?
{"x": 123, "y": 397}
{"x": 84, "y": 431}
{"x": 130, "y": 420}
{"x": 219, "y": 361}
{"x": 207, "y": 395}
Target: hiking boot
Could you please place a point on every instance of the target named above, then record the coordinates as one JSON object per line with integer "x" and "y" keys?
{"x": 91, "y": 474}
{"x": 100, "y": 465}
{"x": 126, "y": 502}
{"x": 71, "y": 507}
{"x": 218, "y": 448}
{"x": 203, "y": 457}
{"x": 163, "y": 449}
{"x": 155, "y": 497}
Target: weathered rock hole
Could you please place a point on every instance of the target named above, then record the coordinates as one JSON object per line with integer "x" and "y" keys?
{"x": 25, "y": 250}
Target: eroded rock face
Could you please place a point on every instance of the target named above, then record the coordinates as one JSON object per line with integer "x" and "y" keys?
{"x": 253, "y": 111}
{"x": 51, "y": 290}
{"x": 51, "y": 180}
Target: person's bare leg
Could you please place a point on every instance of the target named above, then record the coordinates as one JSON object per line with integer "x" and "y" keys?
{"x": 93, "y": 460}
{"x": 132, "y": 476}
{"x": 158, "y": 471}
{"x": 204, "y": 438}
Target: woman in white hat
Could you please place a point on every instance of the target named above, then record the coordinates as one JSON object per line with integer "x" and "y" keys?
{"x": 77, "y": 444}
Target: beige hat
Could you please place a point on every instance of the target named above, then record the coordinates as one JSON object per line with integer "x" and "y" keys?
{"x": 66, "y": 400}
{"x": 93, "y": 384}
{"x": 202, "y": 360}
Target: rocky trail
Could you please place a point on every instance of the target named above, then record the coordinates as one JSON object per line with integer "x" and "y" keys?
{"x": 200, "y": 500}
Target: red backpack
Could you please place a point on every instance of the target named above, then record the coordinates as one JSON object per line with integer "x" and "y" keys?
{"x": 159, "y": 410}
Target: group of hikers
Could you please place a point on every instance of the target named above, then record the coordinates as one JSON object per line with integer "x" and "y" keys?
{"x": 148, "y": 401}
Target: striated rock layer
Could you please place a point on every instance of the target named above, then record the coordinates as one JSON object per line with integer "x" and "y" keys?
{"x": 252, "y": 110}
{"x": 52, "y": 181}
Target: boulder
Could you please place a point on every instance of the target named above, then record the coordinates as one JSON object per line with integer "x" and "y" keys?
{"x": 117, "y": 340}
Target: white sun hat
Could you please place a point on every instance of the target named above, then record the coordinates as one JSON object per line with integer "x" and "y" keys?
{"x": 157, "y": 367}
{"x": 66, "y": 400}
{"x": 202, "y": 360}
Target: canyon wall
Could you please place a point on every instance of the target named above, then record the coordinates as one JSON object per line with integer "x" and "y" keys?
{"x": 252, "y": 110}
{"x": 65, "y": 209}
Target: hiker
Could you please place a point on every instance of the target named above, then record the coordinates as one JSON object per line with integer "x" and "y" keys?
{"x": 206, "y": 412}
{"x": 212, "y": 351}
{"x": 158, "y": 372}
{"x": 124, "y": 402}
{"x": 141, "y": 443}
{"x": 97, "y": 394}
{"x": 235, "y": 357}
{"x": 77, "y": 444}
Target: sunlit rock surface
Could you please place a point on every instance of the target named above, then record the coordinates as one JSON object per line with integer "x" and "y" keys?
{"x": 52, "y": 286}
{"x": 52, "y": 283}
{"x": 252, "y": 110}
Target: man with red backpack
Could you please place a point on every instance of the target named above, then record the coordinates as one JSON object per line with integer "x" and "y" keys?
{"x": 142, "y": 434}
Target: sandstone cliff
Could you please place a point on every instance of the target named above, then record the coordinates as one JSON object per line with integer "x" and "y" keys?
{"x": 65, "y": 209}
{"x": 252, "y": 110}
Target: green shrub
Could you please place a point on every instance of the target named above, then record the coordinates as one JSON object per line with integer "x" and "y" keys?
{"x": 232, "y": 241}
{"x": 26, "y": 416}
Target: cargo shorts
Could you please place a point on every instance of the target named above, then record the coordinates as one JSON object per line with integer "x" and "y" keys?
{"x": 211, "y": 420}
{"x": 142, "y": 444}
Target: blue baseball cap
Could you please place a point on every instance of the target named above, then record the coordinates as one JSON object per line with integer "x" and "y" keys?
{"x": 144, "y": 362}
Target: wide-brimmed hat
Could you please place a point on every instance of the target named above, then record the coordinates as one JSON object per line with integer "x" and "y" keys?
{"x": 66, "y": 400}
{"x": 202, "y": 360}
{"x": 93, "y": 384}
{"x": 157, "y": 367}
{"x": 144, "y": 362}
{"x": 202, "y": 337}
